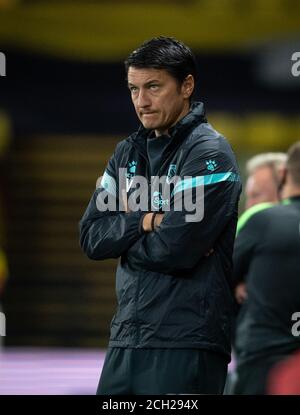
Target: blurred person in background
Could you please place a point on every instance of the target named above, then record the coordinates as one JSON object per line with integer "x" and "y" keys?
{"x": 263, "y": 188}
{"x": 172, "y": 329}
{"x": 266, "y": 252}
{"x": 264, "y": 177}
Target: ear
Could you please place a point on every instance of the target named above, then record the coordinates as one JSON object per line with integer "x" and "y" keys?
{"x": 282, "y": 173}
{"x": 188, "y": 86}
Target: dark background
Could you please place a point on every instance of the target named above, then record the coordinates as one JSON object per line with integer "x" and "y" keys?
{"x": 64, "y": 105}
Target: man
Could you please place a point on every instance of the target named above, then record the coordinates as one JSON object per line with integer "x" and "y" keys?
{"x": 264, "y": 177}
{"x": 267, "y": 250}
{"x": 262, "y": 190}
{"x": 171, "y": 331}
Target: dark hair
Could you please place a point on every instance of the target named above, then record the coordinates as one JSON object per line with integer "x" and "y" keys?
{"x": 293, "y": 162}
{"x": 164, "y": 53}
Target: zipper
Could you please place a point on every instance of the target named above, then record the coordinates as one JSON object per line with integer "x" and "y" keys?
{"x": 168, "y": 157}
{"x": 137, "y": 339}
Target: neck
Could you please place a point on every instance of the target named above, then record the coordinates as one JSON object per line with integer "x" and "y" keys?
{"x": 294, "y": 193}
{"x": 158, "y": 133}
{"x": 290, "y": 190}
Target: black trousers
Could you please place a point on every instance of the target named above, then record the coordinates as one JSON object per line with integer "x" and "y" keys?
{"x": 162, "y": 371}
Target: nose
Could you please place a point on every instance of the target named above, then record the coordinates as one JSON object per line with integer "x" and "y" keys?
{"x": 143, "y": 99}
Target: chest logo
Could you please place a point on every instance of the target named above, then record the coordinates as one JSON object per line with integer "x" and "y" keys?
{"x": 171, "y": 173}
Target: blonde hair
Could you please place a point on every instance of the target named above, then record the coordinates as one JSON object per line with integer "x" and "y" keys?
{"x": 273, "y": 160}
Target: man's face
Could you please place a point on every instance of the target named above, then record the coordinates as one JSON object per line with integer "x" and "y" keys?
{"x": 261, "y": 187}
{"x": 158, "y": 99}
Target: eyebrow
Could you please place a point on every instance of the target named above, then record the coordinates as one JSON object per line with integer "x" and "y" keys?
{"x": 146, "y": 83}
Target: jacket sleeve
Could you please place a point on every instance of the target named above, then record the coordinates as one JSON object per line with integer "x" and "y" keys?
{"x": 177, "y": 243}
{"x": 245, "y": 246}
{"x": 108, "y": 233}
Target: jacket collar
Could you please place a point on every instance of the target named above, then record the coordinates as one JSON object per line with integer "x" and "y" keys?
{"x": 194, "y": 117}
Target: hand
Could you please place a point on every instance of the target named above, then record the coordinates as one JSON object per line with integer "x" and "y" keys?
{"x": 148, "y": 218}
{"x": 158, "y": 219}
{"x": 241, "y": 292}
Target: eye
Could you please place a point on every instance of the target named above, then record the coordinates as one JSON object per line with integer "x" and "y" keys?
{"x": 153, "y": 87}
{"x": 133, "y": 89}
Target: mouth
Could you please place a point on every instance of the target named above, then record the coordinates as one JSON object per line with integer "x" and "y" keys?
{"x": 143, "y": 114}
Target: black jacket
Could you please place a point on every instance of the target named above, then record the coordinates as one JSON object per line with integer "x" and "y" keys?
{"x": 170, "y": 294}
{"x": 266, "y": 256}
